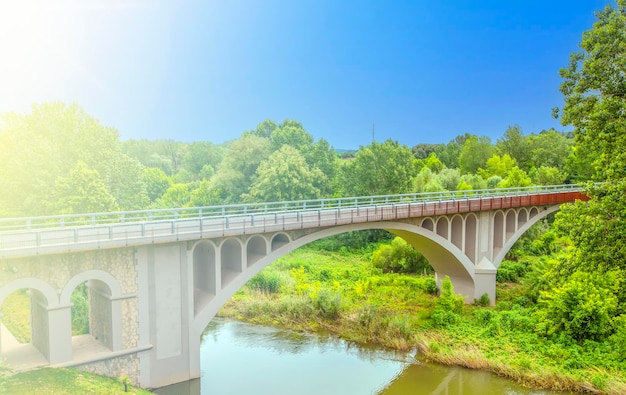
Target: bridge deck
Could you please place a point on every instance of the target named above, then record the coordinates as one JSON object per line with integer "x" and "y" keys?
{"x": 45, "y": 235}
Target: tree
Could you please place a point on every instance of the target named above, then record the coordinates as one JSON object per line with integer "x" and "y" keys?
{"x": 546, "y": 175}
{"x": 177, "y": 195}
{"x": 587, "y": 294}
{"x": 285, "y": 176}
{"x": 82, "y": 191}
{"x": 380, "y": 169}
{"x": 39, "y": 147}
{"x": 237, "y": 171}
{"x": 497, "y": 166}
{"x": 516, "y": 177}
{"x": 549, "y": 148}
{"x": 157, "y": 182}
{"x": 421, "y": 151}
{"x": 594, "y": 89}
{"x": 293, "y": 135}
{"x": 516, "y": 145}
{"x": 200, "y": 154}
{"x": 324, "y": 157}
{"x": 474, "y": 153}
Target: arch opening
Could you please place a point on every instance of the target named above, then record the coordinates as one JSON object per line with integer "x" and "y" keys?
{"x": 231, "y": 262}
{"x": 442, "y": 227}
{"x": 255, "y": 250}
{"x": 24, "y": 335}
{"x": 510, "y": 223}
{"x": 457, "y": 231}
{"x": 471, "y": 232}
{"x": 93, "y": 328}
{"x": 280, "y": 240}
{"x": 427, "y": 223}
{"x": 204, "y": 275}
{"x": 498, "y": 232}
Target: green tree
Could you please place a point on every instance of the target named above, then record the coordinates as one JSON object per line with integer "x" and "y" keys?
{"x": 546, "y": 175}
{"x": 286, "y": 176}
{"x": 587, "y": 287}
{"x": 157, "y": 182}
{"x": 475, "y": 153}
{"x": 46, "y": 144}
{"x": 177, "y": 195}
{"x": 516, "y": 145}
{"x": 82, "y": 191}
{"x": 237, "y": 171}
{"x": 497, "y": 166}
{"x": 594, "y": 89}
{"x": 433, "y": 163}
{"x": 293, "y": 134}
{"x": 201, "y": 154}
{"x": 379, "y": 169}
{"x": 400, "y": 257}
{"x": 421, "y": 151}
{"x": 205, "y": 195}
{"x": 516, "y": 177}
{"x": 549, "y": 148}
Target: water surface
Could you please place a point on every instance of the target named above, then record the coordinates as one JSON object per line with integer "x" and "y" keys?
{"x": 241, "y": 358}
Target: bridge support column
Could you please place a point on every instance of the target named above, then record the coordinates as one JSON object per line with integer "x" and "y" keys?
{"x": 485, "y": 280}
{"x": 1, "y": 315}
{"x": 51, "y": 329}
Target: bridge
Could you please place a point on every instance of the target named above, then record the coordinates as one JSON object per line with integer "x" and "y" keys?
{"x": 156, "y": 278}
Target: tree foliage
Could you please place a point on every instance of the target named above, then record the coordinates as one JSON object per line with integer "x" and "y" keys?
{"x": 379, "y": 169}
{"x": 286, "y": 176}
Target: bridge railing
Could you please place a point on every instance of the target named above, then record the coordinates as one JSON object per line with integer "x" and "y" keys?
{"x": 156, "y": 215}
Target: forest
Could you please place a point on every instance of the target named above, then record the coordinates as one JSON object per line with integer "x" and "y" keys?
{"x": 560, "y": 320}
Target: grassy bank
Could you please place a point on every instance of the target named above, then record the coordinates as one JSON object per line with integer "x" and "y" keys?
{"x": 62, "y": 382}
{"x": 341, "y": 292}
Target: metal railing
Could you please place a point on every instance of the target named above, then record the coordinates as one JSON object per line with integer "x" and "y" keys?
{"x": 233, "y": 210}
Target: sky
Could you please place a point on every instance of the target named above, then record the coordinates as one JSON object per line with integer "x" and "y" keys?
{"x": 421, "y": 71}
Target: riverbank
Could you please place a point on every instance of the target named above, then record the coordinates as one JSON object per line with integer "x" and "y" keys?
{"x": 341, "y": 293}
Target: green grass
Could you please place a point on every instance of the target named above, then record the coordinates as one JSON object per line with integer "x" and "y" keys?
{"x": 62, "y": 382}
{"x": 16, "y": 310}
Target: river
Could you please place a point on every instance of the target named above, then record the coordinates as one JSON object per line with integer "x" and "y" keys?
{"x": 241, "y": 358}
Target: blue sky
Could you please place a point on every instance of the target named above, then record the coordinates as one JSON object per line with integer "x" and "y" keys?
{"x": 421, "y": 71}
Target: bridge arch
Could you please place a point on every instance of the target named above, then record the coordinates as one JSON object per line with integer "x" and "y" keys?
{"x": 45, "y": 289}
{"x": 103, "y": 277}
{"x": 521, "y": 229}
{"x": 105, "y": 311}
{"x": 444, "y": 256}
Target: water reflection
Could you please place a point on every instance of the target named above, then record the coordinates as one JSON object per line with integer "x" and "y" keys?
{"x": 240, "y": 358}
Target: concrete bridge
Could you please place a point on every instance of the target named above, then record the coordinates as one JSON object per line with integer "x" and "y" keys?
{"x": 156, "y": 278}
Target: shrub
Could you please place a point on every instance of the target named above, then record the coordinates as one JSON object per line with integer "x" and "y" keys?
{"x": 510, "y": 271}
{"x": 483, "y": 301}
{"x": 445, "y": 318}
{"x": 430, "y": 286}
{"x": 582, "y": 308}
{"x": 327, "y": 303}
{"x": 266, "y": 282}
{"x": 448, "y": 300}
{"x": 400, "y": 257}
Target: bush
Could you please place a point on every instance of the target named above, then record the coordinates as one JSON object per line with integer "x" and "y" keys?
{"x": 582, "y": 308}
{"x": 266, "y": 282}
{"x": 445, "y": 318}
{"x": 327, "y": 303}
{"x": 430, "y": 286}
{"x": 448, "y": 300}
{"x": 400, "y": 257}
{"x": 510, "y": 271}
{"x": 483, "y": 301}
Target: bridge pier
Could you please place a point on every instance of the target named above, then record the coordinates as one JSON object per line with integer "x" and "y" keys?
{"x": 51, "y": 330}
